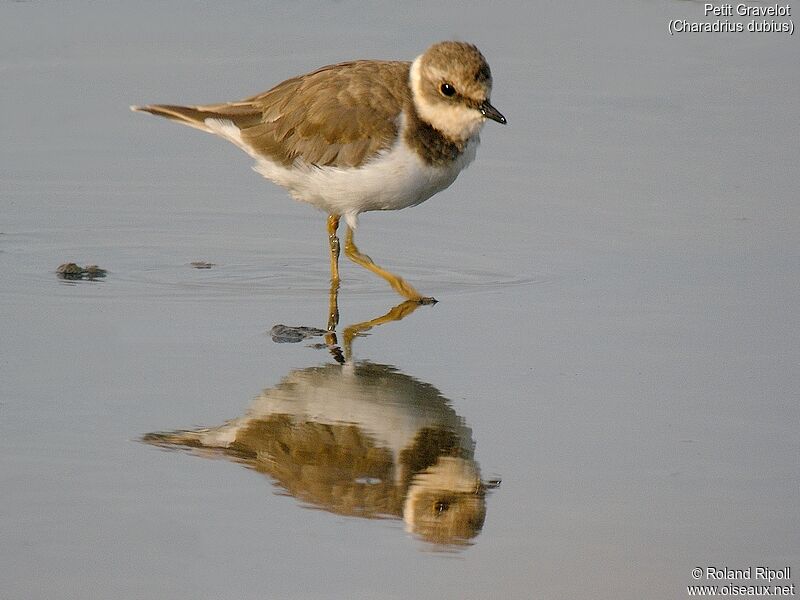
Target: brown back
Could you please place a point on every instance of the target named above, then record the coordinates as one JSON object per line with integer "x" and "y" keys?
{"x": 340, "y": 115}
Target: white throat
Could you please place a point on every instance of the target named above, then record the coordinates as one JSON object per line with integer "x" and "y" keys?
{"x": 456, "y": 121}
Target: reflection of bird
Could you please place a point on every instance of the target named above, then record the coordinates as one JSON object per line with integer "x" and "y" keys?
{"x": 360, "y": 439}
{"x": 362, "y": 135}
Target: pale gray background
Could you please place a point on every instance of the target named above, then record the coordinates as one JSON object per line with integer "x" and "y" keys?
{"x": 618, "y": 276}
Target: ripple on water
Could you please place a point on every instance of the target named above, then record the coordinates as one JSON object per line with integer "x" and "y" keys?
{"x": 165, "y": 272}
{"x": 304, "y": 276}
{"x": 298, "y": 278}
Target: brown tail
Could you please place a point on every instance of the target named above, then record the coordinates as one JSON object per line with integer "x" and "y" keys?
{"x": 192, "y": 116}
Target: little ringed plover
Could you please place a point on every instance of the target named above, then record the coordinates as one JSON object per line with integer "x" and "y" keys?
{"x": 360, "y": 136}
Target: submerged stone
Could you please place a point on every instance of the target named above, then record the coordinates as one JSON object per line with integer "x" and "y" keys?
{"x": 73, "y": 271}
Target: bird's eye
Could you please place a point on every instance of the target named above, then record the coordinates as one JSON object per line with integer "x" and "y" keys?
{"x": 447, "y": 89}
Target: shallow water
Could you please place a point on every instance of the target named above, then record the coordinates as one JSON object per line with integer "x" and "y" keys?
{"x": 616, "y": 337}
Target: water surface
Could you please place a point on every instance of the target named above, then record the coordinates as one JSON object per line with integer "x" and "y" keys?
{"x": 616, "y": 337}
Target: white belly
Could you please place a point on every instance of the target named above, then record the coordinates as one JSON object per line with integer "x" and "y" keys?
{"x": 395, "y": 179}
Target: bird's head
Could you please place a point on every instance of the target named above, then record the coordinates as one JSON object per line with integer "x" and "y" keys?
{"x": 451, "y": 85}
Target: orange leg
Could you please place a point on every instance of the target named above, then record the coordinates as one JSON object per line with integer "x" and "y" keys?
{"x": 333, "y": 240}
{"x": 398, "y": 284}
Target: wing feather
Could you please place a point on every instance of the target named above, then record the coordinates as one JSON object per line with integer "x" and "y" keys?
{"x": 340, "y": 115}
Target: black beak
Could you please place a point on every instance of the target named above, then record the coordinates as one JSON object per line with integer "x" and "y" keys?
{"x": 490, "y": 112}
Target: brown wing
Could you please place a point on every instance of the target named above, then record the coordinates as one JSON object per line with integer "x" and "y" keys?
{"x": 339, "y": 115}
